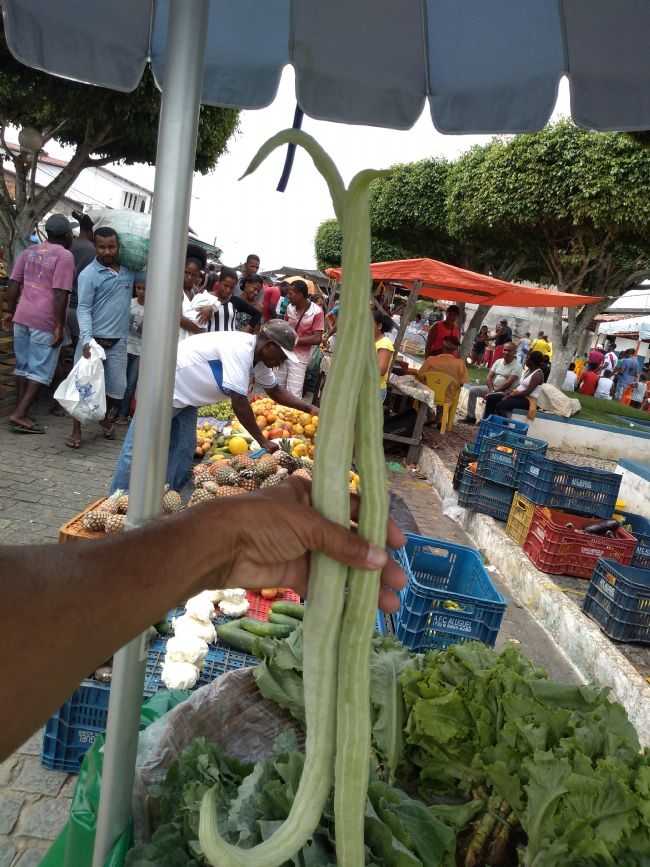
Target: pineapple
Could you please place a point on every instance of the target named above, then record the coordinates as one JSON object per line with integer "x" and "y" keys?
{"x": 225, "y": 475}
{"x": 264, "y": 468}
{"x": 272, "y": 481}
{"x": 110, "y": 505}
{"x": 171, "y": 502}
{"x": 242, "y": 462}
{"x": 202, "y": 474}
{"x": 95, "y": 520}
{"x": 200, "y": 495}
{"x": 302, "y": 473}
{"x": 246, "y": 480}
{"x": 211, "y": 487}
{"x": 123, "y": 504}
{"x": 284, "y": 458}
{"x": 229, "y": 491}
{"x": 115, "y": 523}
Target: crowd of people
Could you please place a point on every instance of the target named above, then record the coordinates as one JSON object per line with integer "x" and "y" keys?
{"x": 608, "y": 375}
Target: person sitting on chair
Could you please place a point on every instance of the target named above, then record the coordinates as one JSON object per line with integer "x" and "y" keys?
{"x": 449, "y": 362}
{"x": 518, "y": 397}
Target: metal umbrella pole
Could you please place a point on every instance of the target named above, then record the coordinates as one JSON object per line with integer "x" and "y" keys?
{"x": 177, "y": 132}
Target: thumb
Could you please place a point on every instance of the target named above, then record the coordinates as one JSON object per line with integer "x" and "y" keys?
{"x": 343, "y": 545}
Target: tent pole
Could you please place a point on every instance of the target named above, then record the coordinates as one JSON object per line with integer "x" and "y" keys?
{"x": 177, "y": 132}
{"x": 407, "y": 315}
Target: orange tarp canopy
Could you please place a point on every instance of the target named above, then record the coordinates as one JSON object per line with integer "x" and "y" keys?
{"x": 442, "y": 281}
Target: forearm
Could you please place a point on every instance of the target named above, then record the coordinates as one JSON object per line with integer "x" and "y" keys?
{"x": 60, "y": 306}
{"x": 81, "y": 602}
{"x": 310, "y": 339}
{"x": 246, "y": 416}
{"x": 13, "y": 295}
{"x": 85, "y": 320}
{"x": 286, "y": 398}
{"x": 190, "y": 326}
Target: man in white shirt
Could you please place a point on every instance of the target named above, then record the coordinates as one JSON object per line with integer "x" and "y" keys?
{"x": 504, "y": 375}
{"x": 211, "y": 367}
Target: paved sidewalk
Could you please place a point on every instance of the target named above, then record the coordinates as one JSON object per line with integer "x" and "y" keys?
{"x": 42, "y": 485}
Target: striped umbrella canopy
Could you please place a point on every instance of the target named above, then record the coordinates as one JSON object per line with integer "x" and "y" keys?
{"x": 482, "y": 67}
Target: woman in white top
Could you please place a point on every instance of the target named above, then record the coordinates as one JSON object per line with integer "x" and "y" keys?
{"x": 517, "y": 397}
{"x": 605, "y": 386}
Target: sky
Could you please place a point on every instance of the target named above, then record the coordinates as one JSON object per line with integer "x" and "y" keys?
{"x": 249, "y": 216}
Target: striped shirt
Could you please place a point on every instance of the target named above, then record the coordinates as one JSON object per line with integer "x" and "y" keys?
{"x": 225, "y": 316}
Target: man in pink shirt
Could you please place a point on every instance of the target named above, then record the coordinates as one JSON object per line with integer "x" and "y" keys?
{"x": 39, "y": 289}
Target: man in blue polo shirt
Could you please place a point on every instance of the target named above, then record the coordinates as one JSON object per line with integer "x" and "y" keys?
{"x": 105, "y": 290}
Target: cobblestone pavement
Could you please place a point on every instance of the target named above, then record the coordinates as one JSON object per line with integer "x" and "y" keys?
{"x": 42, "y": 485}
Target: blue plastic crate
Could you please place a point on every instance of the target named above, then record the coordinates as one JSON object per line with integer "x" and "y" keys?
{"x": 496, "y": 424}
{"x": 583, "y": 490}
{"x": 484, "y": 496}
{"x": 640, "y": 529}
{"x": 219, "y": 660}
{"x": 618, "y": 599}
{"x": 449, "y": 598}
{"x": 502, "y": 456}
{"x": 72, "y": 730}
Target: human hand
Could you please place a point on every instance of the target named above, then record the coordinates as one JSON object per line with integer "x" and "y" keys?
{"x": 204, "y": 315}
{"x": 277, "y": 528}
{"x": 270, "y": 446}
{"x": 7, "y": 321}
{"x": 314, "y": 410}
{"x": 86, "y": 350}
{"x": 57, "y": 336}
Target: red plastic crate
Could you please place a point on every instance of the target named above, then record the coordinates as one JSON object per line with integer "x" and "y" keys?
{"x": 557, "y": 544}
{"x": 260, "y": 606}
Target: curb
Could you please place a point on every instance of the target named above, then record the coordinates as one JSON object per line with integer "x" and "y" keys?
{"x": 592, "y": 654}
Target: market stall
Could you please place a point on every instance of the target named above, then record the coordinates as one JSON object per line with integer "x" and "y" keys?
{"x": 195, "y": 51}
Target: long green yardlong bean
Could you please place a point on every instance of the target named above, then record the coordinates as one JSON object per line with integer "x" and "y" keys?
{"x": 327, "y": 578}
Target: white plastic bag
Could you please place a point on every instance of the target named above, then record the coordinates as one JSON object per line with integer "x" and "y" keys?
{"x": 83, "y": 393}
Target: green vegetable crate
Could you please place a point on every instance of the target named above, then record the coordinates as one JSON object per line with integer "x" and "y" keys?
{"x": 449, "y": 597}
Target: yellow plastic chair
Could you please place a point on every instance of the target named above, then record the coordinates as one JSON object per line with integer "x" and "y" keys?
{"x": 446, "y": 391}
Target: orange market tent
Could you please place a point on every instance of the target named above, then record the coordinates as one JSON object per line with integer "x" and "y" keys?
{"x": 439, "y": 280}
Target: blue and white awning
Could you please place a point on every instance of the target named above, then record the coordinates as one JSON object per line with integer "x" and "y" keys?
{"x": 483, "y": 66}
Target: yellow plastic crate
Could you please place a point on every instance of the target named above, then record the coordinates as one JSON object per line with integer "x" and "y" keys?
{"x": 520, "y": 518}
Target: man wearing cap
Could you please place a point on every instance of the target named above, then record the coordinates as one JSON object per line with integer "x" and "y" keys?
{"x": 37, "y": 299}
{"x": 212, "y": 367}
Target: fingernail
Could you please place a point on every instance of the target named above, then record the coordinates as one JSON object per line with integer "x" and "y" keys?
{"x": 376, "y": 557}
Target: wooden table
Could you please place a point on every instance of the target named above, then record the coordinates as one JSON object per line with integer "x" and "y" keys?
{"x": 403, "y": 389}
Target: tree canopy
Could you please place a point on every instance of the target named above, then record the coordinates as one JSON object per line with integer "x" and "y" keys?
{"x": 101, "y": 125}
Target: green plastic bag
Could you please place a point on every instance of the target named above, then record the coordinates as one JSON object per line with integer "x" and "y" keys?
{"x": 74, "y": 845}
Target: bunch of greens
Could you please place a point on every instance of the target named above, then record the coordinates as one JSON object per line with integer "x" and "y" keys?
{"x": 559, "y": 767}
{"x": 279, "y": 678}
{"x": 253, "y": 801}
{"x": 222, "y": 410}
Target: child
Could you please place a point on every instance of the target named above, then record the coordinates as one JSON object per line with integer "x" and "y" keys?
{"x": 134, "y": 348}
{"x": 605, "y": 386}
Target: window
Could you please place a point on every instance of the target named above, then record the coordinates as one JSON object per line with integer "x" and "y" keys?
{"x": 134, "y": 202}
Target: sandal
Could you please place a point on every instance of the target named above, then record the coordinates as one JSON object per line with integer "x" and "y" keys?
{"x": 22, "y": 429}
{"x": 73, "y": 443}
{"x": 109, "y": 432}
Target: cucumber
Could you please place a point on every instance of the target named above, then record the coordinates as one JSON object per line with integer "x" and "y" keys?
{"x": 276, "y": 617}
{"x": 234, "y": 636}
{"x": 290, "y": 609}
{"x": 265, "y": 630}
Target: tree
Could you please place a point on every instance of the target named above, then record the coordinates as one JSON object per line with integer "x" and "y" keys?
{"x": 101, "y": 125}
{"x": 572, "y": 204}
{"x": 329, "y": 247}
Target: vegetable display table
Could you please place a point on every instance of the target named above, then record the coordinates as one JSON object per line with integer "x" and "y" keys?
{"x": 401, "y": 389}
